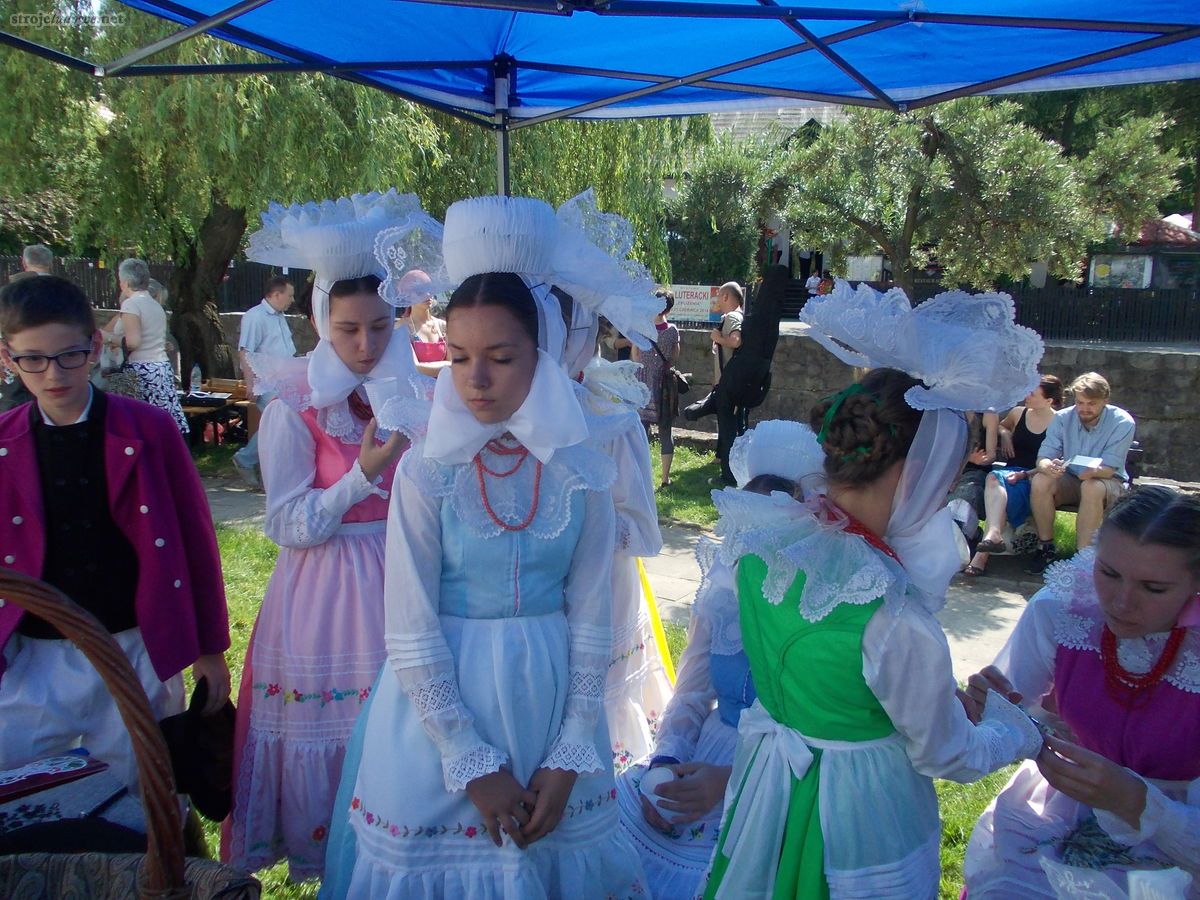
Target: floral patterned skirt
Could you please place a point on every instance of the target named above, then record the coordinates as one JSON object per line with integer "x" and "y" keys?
{"x": 156, "y": 386}
{"x": 316, "y": 650}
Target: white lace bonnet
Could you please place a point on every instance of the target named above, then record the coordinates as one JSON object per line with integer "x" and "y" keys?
{"x": 966, "y": 348}
{"x": 335, "y": 239}
{"x": 579, "y": 249}
{"x": 778, "y": 447}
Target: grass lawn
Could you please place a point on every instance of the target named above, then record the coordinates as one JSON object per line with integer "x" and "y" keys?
{"x": 689, "y": 498}
{"x": 249, "y": 557}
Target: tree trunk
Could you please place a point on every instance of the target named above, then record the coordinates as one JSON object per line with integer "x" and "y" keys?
{"x": 904, "y": 275}
{"x": 199, "y": 270}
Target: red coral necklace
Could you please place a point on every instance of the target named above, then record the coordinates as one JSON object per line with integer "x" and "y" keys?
{"x": 1119, "y": 677}
{"x": 501, "y": 449}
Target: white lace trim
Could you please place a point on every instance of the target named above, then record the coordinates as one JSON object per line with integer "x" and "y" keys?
{"x": 966, "y": 348}
{"x": 434, "y": 696}
{"x": 1009, "y": 732}
{"x": 574, "y": 757}
{"x": 716, "y": 599}
{"x": 587, "y": 683}
{"x": 287, "y": 377}
{"x": 792, "y": 537}
{"x": 615, "y": 384}
{"x": 1079, "y": 623}
{"x": 465, "y": 767}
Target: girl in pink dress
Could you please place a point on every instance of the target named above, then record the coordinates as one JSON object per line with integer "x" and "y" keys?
{"x": 1113, "y": 644}
{"x": 318, "y": 641}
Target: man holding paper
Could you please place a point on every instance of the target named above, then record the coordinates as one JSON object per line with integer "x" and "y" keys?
{"x": 1081, "y": 461}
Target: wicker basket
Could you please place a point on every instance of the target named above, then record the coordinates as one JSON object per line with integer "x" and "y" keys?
{"x": 160, "y": 873}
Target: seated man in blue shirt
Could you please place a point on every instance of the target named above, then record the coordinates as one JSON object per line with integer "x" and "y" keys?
{"x": 1081, "y": 461}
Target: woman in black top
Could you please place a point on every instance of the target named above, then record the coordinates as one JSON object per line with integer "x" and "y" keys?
{"x": 1006, "y": 491}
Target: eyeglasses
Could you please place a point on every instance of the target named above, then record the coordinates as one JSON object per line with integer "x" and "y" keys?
{"x": 34, "y": 363}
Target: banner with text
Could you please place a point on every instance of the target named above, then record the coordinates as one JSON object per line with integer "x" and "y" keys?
{"x": 694, "y": 303}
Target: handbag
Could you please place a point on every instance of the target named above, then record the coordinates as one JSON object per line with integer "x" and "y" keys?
{"x": 682, "y": 385}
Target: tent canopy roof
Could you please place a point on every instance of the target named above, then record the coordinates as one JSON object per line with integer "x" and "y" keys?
{"x": 514, "y": 62}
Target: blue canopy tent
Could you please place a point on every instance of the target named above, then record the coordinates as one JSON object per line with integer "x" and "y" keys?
{"x": 509, "y": 64}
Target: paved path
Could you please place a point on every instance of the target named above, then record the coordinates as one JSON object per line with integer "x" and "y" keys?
{"x": 979, "y": 614}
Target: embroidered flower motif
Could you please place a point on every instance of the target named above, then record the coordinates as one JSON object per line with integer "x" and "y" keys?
{"x": 471, "y": 831}
{"x": 370, "y": 817}
{"x": 364, "y": 693}
{"x": 355, "y": 803}
{"x": 273, "y": 689}
{"x": 394, "y": 831}
{"x": 326, "y": 697}
{"x": 612, "y": 794}
{"x": 297, "y": 696}
{"x": 319, "y": 833}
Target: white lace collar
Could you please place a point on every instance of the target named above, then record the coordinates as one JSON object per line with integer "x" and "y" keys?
{"x": 790, "y": 537}
{"x": 1079, "y": 623}
{"x": 287, "y": 378}
{"x": 549, "y": 419}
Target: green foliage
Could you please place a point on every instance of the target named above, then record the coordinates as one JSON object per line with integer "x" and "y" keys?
{"x": 713, "y": 222}
{"x": 970, "y": 182}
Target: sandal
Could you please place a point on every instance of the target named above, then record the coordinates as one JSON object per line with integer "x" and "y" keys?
{"x": 986, "y": 546}
{"x": 973, "y": 571}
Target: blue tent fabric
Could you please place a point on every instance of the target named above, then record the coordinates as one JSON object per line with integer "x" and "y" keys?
{"x": 625, "y": 58}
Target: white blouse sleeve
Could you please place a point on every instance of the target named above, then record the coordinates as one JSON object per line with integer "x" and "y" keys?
{"x": 1173, "y": 825}
{"x": 633, "y": 495}
{"x": 589, "y": 621}
{"x": 907, "y": 665}
{"x": 298, "y": 514}
{"x": 1027, "y": 659}
{"x": 416, "y": 646}
{"x": 692, "y": 702}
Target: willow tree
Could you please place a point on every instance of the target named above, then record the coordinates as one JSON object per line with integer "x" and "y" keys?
{"x": 968, "y": 182}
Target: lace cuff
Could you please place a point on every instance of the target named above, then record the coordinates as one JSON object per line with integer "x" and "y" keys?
{"x": 1008, "y": 731}
{"x": 573, "y": 755}
{"x": 461, "y": 768}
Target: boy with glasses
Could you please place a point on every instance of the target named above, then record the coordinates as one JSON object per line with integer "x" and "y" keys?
{"x": 100, "y": 499}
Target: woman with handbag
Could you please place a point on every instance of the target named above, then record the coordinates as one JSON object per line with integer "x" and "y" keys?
{"x": 658, "y": 373}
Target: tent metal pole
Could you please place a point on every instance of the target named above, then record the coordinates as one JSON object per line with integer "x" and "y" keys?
{"x": 64, "y": 59}
{"x": 213, "y": 21}
{"x": 503, "y": 172}
{"x": 681, "y": 81}
{"x": 1054, "y": 68}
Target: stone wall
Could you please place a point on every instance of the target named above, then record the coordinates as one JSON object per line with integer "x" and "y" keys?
{"x": 1159, "y": 387}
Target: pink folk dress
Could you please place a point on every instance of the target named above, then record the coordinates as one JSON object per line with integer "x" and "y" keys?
{"x": 1036, "y": 842}
{"x": 318, "y": 641}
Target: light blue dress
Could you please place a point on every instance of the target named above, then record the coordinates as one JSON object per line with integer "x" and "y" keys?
{"x": 498, "y": 641}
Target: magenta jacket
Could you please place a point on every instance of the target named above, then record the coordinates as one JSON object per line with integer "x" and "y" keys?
{"x": 158, "y": 502}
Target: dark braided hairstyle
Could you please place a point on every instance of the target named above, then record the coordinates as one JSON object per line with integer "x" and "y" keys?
{"x": 871, "y": 427}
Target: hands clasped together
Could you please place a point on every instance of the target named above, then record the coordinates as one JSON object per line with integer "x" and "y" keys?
{"x": 525, "y": 814}
{"x": 697, "y": 789}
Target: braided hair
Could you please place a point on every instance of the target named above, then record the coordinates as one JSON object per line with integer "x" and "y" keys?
{"x": 866, "y": 428}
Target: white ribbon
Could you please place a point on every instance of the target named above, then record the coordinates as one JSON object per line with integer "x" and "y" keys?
{"x": 769, "y": 755}
{"x": 550, "y": 418}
